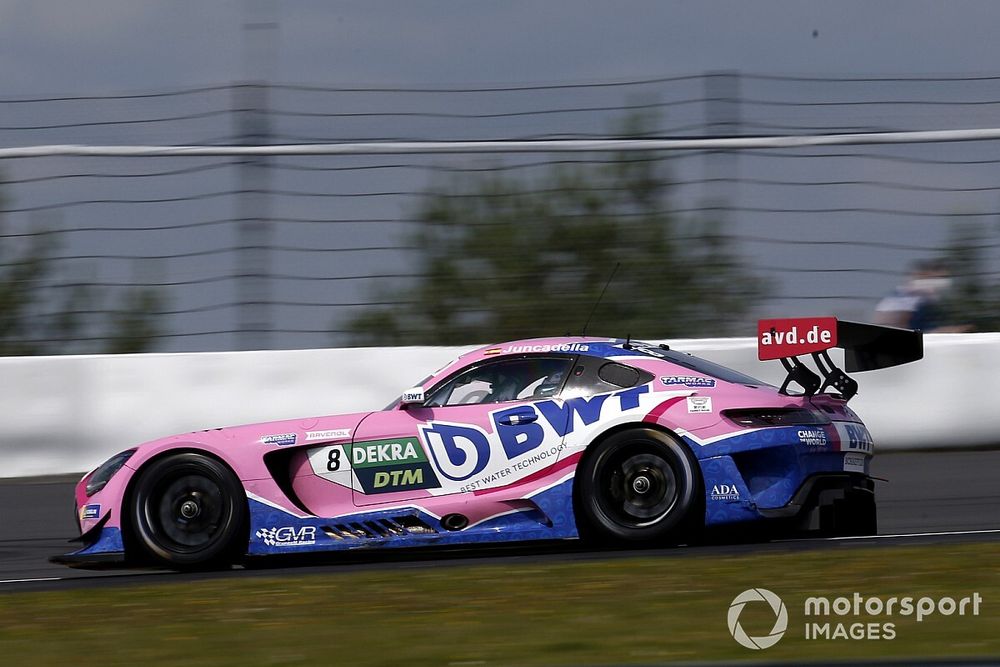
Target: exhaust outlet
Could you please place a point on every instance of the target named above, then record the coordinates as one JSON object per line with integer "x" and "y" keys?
{"x": 454, "y": 521}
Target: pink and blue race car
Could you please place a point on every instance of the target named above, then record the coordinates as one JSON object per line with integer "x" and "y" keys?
{"x": 611, "y": 440}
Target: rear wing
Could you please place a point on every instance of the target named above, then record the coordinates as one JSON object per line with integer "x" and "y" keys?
{"x": 866, "y": 347}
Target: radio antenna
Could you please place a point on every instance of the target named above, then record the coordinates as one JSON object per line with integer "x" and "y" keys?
{"x": 596, "y": 303}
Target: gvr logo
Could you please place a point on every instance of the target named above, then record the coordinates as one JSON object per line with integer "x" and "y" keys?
{"x": 460, "y": 451}
{"x": 287, "y": 536}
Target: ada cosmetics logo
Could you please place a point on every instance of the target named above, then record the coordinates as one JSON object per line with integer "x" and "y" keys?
{"x": 780, "y": 619}
{"x": 287, "y": 536}
{"x": 724, "y": 492}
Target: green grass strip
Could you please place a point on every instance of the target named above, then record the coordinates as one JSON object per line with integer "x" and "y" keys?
{"x": 616, "y": 611}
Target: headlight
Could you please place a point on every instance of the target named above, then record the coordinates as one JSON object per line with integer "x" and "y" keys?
{"x": 761, "y": 417}
{"x": 100, "y": 477}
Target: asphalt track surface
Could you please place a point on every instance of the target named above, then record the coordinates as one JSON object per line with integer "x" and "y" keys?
{"x": 929, "y": 498}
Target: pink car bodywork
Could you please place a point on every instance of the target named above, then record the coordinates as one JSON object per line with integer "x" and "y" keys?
{"x": 394, "y": 477}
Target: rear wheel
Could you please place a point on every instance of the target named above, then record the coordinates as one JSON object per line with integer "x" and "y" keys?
{"x": 638, "y": 486}
{"x": 188, "y": 510}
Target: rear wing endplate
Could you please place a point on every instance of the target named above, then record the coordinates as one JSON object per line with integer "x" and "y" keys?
{"x": 866, "y": 347}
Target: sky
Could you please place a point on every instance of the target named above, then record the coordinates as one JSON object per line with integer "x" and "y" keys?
{"x": 65, "y": 48}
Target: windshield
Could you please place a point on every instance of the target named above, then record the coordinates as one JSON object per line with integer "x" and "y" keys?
{"x": 710, "y": 368}
{"x": 698, "y": 364}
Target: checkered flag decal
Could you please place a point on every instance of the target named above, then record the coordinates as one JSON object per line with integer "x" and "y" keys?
{"x": 268, "y": 535}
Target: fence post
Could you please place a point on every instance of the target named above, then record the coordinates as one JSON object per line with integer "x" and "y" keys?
{"x": 253, "y": 218}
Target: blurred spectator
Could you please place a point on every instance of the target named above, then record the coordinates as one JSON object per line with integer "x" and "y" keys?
{"x": 920, "y": 303}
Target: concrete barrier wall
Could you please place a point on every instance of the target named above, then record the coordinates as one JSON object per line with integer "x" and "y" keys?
{"x": 68, "y": 414}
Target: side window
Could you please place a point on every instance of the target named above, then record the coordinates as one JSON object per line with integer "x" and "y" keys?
{"x": 597, "y": 376}
{"x": 619, "y": 375}
{"x": 505, "y": 380}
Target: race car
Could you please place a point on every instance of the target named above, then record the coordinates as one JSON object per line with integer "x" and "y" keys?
{"x": 611, "y": 440}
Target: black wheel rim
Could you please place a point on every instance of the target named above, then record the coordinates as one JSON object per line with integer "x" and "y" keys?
{"x": 186, "y": 511}
{"x": 636, "y": 487}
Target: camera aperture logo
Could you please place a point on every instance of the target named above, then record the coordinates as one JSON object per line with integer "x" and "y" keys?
{"x": 780, "y": 618}
{"x": 846, "y": 617}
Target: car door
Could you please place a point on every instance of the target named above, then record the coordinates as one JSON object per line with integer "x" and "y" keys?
{"x": 474, "y": 431}
{"x": 598, "y": 393}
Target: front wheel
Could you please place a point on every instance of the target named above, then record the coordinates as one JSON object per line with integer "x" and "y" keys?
{"x": 638, "y": 486}
{"x": 188, "y": 510}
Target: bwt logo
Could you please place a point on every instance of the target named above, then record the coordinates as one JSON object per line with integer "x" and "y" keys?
{"x": 287, "y": 536}
{"x": 780, "y": 619}
{"x": 858, "y": 437}
{"x": 460, "y": 451}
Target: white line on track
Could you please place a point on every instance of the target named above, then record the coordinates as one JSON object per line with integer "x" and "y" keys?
{"x": 937, "y": 534}
{"x": 130, "y": 573}
{"x": 849, "y": 538}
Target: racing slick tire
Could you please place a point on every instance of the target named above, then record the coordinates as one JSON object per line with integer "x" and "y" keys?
{"x": 639, "y": 486}
{"x": 188, "y": 511}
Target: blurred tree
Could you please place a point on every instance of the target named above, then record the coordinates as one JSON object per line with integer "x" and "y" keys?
{"x": 34, "y": 321}
{"x": 974, "y": 299}
{"x": 132, "y": 327}
{"x": 503, "y": 258}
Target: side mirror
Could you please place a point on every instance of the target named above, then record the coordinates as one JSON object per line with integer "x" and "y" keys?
{"x": 413, "y": 396}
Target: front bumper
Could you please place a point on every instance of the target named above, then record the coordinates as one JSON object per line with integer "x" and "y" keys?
{"x": 103, "y": 547}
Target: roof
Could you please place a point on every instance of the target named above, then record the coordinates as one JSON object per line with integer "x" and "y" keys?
{"x": 592, "y": 346}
